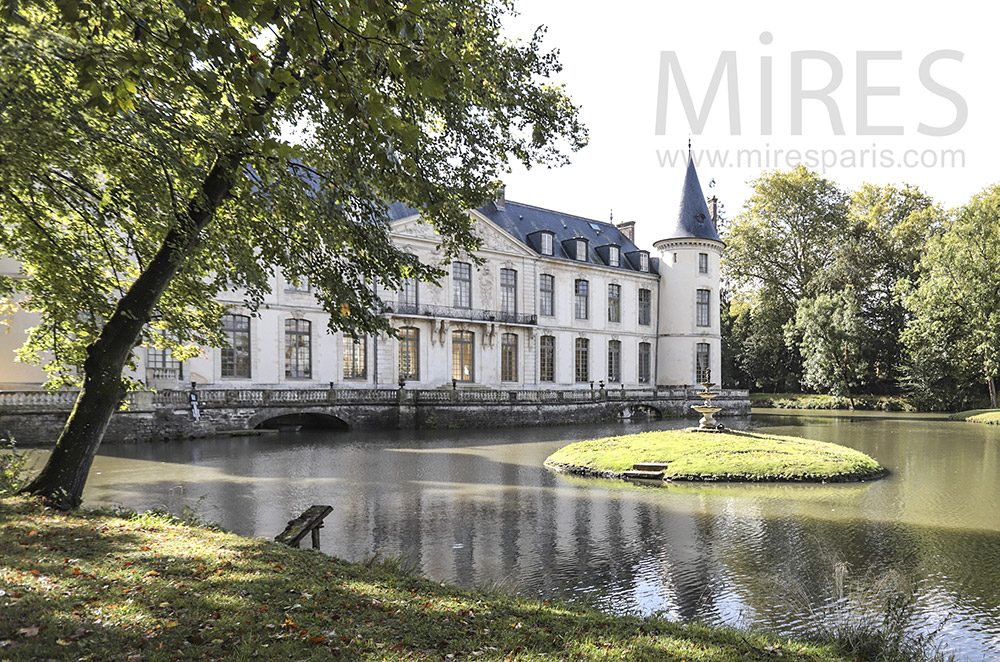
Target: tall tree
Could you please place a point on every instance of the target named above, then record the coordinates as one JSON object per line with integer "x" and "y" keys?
{"x": 956, "y": 303}
{"x": 786, "y": 234}
{"x": 882, "y": 244}
{"x": 775, "y": 249}
{"x": 831, "y": 334}
{"x": 155, "y": 153}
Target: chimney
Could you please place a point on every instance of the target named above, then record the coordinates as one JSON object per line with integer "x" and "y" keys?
{"x": 713, "y": 211}
{"x": 627, "y": 228}
{"x": 501, "y": 200}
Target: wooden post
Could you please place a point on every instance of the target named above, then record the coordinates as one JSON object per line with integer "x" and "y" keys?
{"x": 308, "y": 522}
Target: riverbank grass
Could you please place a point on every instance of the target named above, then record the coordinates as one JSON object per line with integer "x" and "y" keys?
{"x": 988, "y": 416}
{"x": 727, "y": 456}
{"x": 93, "y": 586}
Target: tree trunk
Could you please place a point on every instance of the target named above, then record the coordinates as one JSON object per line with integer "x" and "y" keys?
{"x": 62, "y": 479}
{"x": 993, "y": 392}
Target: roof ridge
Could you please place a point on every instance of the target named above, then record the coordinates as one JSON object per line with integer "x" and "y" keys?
{"x": 562, "y": 213}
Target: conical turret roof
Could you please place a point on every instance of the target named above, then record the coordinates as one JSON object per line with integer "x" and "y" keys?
{"x": 693, "y": 219}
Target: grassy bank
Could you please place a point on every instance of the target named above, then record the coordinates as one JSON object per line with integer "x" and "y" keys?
{"x": 97, "y": 587}
{"x": 988, "y": 416}
{"x": 732, "y": 455}
{"x": 819, "y": 401}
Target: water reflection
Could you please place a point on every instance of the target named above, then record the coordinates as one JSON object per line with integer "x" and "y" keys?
{"x": 476, "y": 508}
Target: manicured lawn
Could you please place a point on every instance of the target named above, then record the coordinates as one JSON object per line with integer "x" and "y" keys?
{"x": 728, "y": 455}
{"x": 97, "y": 587}
{"x": 989, "y": 416}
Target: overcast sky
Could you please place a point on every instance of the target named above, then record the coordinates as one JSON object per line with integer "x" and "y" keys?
{"x": 612, "y": 57}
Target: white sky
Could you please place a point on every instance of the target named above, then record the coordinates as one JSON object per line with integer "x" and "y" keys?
{"x": 611, "y": 58}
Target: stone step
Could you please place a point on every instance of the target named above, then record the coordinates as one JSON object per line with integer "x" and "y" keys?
{"x": 650, "y": 466}
{"x": 643, "y": 475}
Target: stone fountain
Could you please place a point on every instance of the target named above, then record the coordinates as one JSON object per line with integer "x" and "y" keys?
{"x": 707, "y": 423}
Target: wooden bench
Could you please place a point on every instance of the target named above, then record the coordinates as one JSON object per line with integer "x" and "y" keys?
{"x": 311, "y": 521}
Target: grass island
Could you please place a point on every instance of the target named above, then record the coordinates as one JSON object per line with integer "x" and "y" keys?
{"x": 717, "y": 456}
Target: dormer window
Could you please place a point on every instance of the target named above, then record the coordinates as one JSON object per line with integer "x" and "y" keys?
{"x": 643, "y": 261}
{"x": 613, "y": 258}
{"x": 581, "y": 250}
{"x": 546, "y": 243}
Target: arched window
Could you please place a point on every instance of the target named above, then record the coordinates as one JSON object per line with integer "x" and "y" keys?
{"x": 547, "y": 359}
{"x": 236, "y": 355}
{"x": 508, "y": 357}
{"x": 409, "y": 353}
{"x": 298, "y": 349}
{"x": 463, "y": 368}
{"x": 614, "y": 360}
{"x": 355, "y": 358}
{"x": 582, "y": 360}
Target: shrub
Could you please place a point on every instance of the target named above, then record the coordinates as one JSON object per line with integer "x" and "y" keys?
{"x": 13, "y": 465}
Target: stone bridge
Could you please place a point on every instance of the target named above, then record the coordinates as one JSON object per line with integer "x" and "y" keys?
{"x": 37, "y": 416}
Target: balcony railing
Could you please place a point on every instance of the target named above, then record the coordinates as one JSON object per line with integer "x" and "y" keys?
{"x": 425, "y": 310}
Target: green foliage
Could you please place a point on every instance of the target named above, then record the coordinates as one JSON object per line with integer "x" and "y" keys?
{"x": 830, "y": 333}
{"x": 230, "y": 140}
{"x": 819, "y": 401}
{"x": 785, "y": 234}
{"x": 13, "y": 465}
{"x": 134, "y": 585}
{"x": 800, "y": 238}
{"x": 988, "y": 416}
{"x": 731, "y": 455}
{"x": 954, "y": 337}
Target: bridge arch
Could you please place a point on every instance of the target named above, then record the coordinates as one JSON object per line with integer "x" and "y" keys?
{"x": 305, "y": 418}
{"x": 638, "y": 411}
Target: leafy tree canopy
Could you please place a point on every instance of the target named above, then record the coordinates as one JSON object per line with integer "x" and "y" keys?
{"x": 287, "y": 124}
{"x": 153, "y": 154}
{"x": 956, "y": 303}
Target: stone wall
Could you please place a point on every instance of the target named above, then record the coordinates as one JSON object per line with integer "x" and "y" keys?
{"x": 171, "y": 419}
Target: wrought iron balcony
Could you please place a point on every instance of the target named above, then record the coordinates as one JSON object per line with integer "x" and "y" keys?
{"x": 425, "y": 310}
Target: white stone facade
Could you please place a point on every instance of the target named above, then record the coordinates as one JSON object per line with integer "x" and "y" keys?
{"x": 502, "y": 327}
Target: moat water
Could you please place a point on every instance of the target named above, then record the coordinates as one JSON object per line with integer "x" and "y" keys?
{"x": 476, "y": 507}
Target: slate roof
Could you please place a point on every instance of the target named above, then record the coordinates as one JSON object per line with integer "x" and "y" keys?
{"x": 520, "y": 220}
{"x": 693, "y": 219}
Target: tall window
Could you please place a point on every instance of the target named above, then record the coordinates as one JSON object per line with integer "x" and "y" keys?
{"x": 702, "y": 366}
{"x": 508, "y": 357}
{"x": 581, "y": 250}
{"x": 162, "y": 364}
{"x": 461, "y": 276}
{"x": 702, "y": 308}
{"x": 703, "y": 263}
{"x": 644, "y": 306}
{"x": 462, "y": 366}
{"x": 298, "y": 349}
{"x": 355, "y": 358}
{"x": 644, "y": 360}
{"x": 547, "y": 359}
{"x": 582, "y": 360}
{"x": 409, "y": 353}
{"x": 546, "y": 243}
{"x": 582, "y": 299}
{"x": 614, "y": 360}
{"x": 643, "y": 261}
{"x": 408, "y": 291}
{"x": 508, "y": 291}
{"x": 614, "y": 303}
{"x": 546, "y": 294}
{"x": 613, "y": 254}
{"x": 236, "y": 356}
